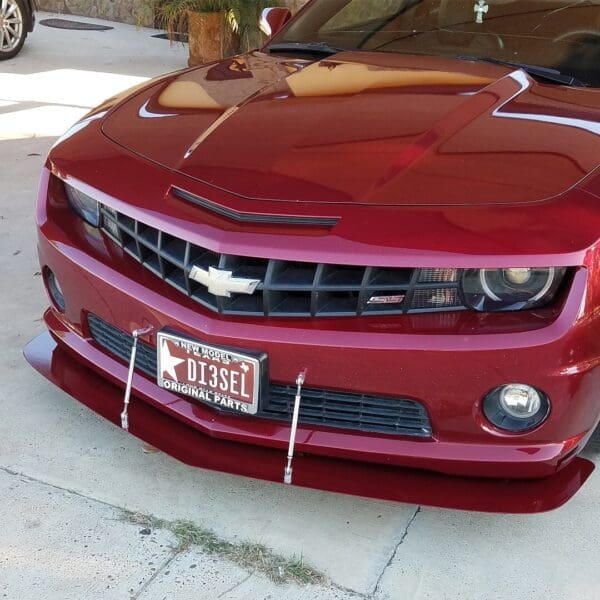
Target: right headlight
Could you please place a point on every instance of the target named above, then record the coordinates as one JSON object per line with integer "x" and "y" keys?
{"x": 85, "y": 206}
{"x": 491, "y": 290}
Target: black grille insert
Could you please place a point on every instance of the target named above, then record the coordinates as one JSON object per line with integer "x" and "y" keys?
{"x": 287, "y": 288}
{"x": 362, "y": 412}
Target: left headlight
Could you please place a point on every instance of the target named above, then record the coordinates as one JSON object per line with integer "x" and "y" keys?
{"x": 85, "y": 206}
{"x": 492, "y": 290}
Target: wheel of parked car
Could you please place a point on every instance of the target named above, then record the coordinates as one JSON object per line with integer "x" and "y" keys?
{"x": 13, "y": 29}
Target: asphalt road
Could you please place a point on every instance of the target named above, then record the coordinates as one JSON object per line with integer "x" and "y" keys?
{"x": 66, "y": 475}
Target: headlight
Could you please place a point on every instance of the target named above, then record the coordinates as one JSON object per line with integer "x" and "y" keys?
{"x": 492, "y": 290}
{"x": 85, "y": 206}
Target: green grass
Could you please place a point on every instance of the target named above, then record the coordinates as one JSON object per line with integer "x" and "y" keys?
{"x": 253, "y": 557}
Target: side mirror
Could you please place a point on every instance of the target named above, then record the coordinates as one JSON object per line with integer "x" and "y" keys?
{"x": 273, "y": 19}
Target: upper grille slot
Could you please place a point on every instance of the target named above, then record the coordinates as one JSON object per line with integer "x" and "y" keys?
{"x": 287, "y": 288}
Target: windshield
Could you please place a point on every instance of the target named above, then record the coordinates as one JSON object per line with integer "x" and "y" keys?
{"x": 555, "y": 34}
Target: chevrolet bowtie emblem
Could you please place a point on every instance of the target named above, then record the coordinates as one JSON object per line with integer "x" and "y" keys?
{"x": 223, "y": 283}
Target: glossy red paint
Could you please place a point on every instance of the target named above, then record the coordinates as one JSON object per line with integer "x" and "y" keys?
{"x": 491, "y": 170}
{"x": 168, "y": 433}
{"x": 336, "y": 131}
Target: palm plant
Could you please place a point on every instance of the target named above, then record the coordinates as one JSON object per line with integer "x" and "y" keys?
{"x": 242, "y": 16}
{"x": 172, "y": 15}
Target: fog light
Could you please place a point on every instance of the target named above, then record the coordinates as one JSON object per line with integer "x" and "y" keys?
{"x": 54, "y": 290}
{"x": 516, "y": 407}
{"x": 520, "y": 401}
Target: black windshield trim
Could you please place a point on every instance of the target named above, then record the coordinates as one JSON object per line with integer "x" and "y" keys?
{"x": 305, "y": 47}
{"x": 534, "y": 70}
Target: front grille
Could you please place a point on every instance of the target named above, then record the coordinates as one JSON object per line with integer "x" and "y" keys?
{"x": 342, "y": 410}
{"x": 286, "y": 288}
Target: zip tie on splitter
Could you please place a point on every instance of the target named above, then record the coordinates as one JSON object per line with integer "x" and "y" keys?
{"x": 287, "y": 474}
{"x": 137, "y": 333}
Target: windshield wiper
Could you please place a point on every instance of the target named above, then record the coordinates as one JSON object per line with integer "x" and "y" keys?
{"x": 546, "y": 73}
{"x": 305, "y": 47}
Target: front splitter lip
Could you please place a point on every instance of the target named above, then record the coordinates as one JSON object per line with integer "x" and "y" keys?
{"x": 383, "y": 482}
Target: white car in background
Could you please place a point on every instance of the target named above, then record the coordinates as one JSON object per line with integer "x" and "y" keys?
{"x": 17, "y": 18}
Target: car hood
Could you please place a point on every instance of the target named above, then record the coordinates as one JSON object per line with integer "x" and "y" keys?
{"x": 365, "y": 128}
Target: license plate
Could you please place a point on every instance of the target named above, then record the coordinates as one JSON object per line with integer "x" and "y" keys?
{"x": 217, "y": 376}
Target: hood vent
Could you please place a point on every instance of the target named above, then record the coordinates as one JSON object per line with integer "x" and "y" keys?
{"x": 243, "y": 217}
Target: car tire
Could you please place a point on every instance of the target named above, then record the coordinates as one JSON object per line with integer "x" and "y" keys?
{"x": 13, "y": 27}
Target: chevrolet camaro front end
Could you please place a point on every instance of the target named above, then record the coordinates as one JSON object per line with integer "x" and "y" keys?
{"x": 359, "y": 259}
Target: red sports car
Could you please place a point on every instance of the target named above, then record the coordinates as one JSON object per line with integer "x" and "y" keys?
{"x": 365, "y": 258}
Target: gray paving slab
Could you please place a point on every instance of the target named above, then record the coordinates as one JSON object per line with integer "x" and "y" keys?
{"x": 550, "y": 556}
{"x": 58, "y": 546}
{"x": 125, "y": 50}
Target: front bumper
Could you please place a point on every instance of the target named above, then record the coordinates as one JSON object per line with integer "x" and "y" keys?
{"x": 170, "y": 433}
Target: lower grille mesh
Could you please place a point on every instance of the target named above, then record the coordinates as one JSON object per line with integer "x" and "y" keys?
{"x": 342, "y": 410}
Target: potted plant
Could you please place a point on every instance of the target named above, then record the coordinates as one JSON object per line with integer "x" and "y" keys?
{"x": 216, "y": 28}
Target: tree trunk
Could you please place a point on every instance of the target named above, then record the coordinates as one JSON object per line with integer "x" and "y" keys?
{"x": 209, "y": 37}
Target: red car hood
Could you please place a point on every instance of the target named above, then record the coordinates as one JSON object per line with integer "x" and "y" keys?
{"x": 365, "y": 128}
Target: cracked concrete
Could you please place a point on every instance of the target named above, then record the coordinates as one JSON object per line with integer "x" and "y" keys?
{"x": 81, "y": 470}
{"x": 377, "y": 587}
{"x": 450, "y": 555}
{"x": 147, "y": 585}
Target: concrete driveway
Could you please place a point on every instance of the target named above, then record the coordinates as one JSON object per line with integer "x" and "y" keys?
{"x": 67, "y": 476}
